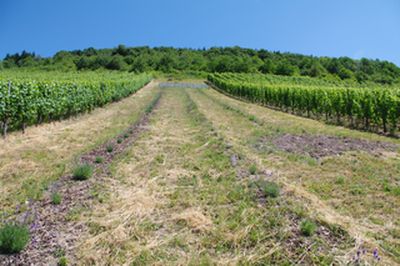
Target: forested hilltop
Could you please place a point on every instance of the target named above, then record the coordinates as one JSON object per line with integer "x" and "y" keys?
{"x": 228, "y": 59}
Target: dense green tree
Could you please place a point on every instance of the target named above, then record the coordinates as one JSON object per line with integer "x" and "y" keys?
{"x": 117, "y": 63}
{"x": 89, "y": 52}
{"x": 268, "y": 67}
{"x": 345, "y": 73}
{"x": 121, "y": 50}
{"x": 167, "y": 63}
{"x": 286, "y": 69}
{"x": 214, "y": 59}
{"x": 140, "y": 64}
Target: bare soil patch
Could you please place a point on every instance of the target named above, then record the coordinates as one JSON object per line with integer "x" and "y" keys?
{"x": 318, "y": 146}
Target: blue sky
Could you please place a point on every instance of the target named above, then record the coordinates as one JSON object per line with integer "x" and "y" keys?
{"x": 354, "y": 28}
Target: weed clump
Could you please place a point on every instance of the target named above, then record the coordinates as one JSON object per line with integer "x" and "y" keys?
{"x": 56, "y": 198}
{"x": 119, "y": 141}
{"x": 308, "y": 227}
{"x": 339, "y": 180}
{"x": 271, "y": 189}
{"x": 253, "y": 169}
{"x": 99, "y": 159}
{"x": 109, "y": 148}
{"x": 83, "y": 172}
{"x": 252, "y": 118}
{"x": 267, "y": 188}
{"x": 13, "y": 238}
{"x": 62, "y": 261}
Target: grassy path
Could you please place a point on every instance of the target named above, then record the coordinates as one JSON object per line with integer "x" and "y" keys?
{"x": 31, "y": 161}
{"x": 358, "y": 202}
{"x": 177, "y": 198}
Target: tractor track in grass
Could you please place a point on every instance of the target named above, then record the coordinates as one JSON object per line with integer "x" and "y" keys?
{"x": 358, "y": 231}
{"x": 53, "y": 229}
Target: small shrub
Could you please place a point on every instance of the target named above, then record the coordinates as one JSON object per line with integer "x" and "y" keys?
{"x": 308, "y": 227}
{"x": 340, "y": 180}
{"x": 99, "y": 159}
{"x": 83, "y": 172}
{"x": 357, "y": 190}
{"x": 62, "y": 261}
{"x": 126, "y": 135}
{"x": 119, "y": 141}
{"x": 59, "y": 252}
{"x": 253, "y": 169}
{"x": 386, "y": 187}
{"x": 56, "y": 198}
{"x": 252, "y": 118}
{"x": 13, "y": 238}
{"x": 396, "y": 191}
{"x": 160, "y": 158}
{"x": 271, "y": 189}
{"x": 109, "y": 148}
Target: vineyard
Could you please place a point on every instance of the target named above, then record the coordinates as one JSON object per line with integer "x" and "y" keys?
{"x": 368, "y": 108}
{"x": 200, "y": 133}
{"x": 161, "y": 166}
{"x": 27, "y": 99}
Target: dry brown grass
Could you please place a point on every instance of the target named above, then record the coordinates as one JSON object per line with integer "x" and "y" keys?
{"x": 194, "y": 218}
{"x": 43, "y": 153}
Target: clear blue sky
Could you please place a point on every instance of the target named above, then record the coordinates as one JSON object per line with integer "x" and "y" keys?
{"x": 354, "y": 28}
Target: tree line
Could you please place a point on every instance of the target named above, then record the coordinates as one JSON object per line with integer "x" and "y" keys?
{"x": 212, "y": 60}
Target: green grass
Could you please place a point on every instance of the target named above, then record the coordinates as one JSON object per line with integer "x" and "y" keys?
{"x": 56, "y": 198}
{"x": 83, "y": 172}
{"x": 308, "y": 227}
{"x": 62, "y": 261}
{"x": 13, "y": 238}
{"x": 109, "y": 148}
{"x": 253, "y": 169}
{"x": 99, "y": 159}
{"x": 75, "y": 213}
{"x": 268, "y": 189}
{"x": 340, "y": 180}
{"x": 271, "y": 189}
